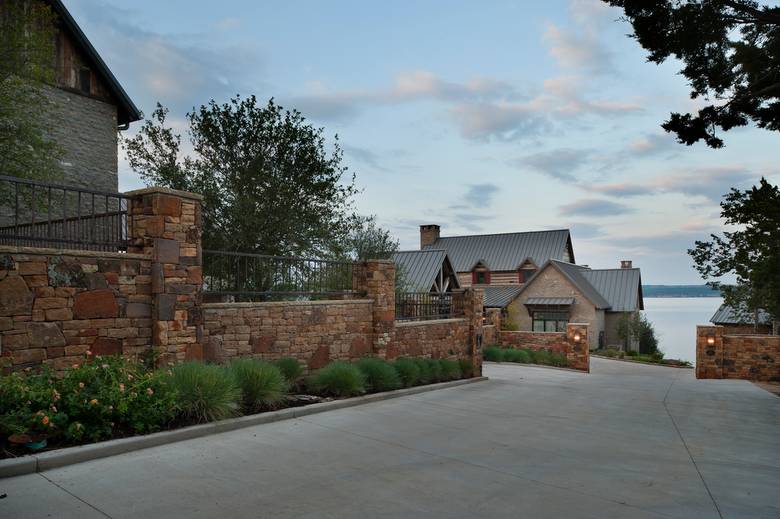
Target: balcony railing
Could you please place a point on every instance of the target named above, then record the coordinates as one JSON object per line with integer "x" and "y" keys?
{"x": 41, "y": 214}
{"x": 423, "y": 306}
{"x": 257, "y": 277}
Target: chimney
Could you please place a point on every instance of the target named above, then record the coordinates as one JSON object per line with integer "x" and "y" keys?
{"x": 626, "y": 264}
{"x": 429, "y": 234}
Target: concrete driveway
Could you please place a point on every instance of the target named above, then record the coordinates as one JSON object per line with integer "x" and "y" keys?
{"x": 625, "y": 441}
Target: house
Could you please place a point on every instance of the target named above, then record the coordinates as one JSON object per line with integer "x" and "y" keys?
{"x": 89, "y": 108}
{"x": 562, "y": 292}
{"x": 742, "y": 322}
{"x": 424, "y": 271}
{"x": 499, "y": 259}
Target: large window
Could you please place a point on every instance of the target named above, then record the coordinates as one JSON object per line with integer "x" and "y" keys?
{"x": 550, "y": 321}
{"x": 480, "y": 277}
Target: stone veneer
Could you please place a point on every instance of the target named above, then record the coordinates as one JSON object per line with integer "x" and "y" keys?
{"x": 577, "y": 353}
{"x": 750, "y": 357}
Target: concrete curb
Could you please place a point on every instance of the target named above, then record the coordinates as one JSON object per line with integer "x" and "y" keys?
{"x": 556, "y": 368}
{"x": 71, "y": 455}
{"x": 641, "y": 362}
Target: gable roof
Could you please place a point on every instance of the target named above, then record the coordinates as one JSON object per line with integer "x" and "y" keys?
{"x": 574, "y": 273}
{"x": 728, "y": 315}
{"x": 499, "y": 296}
{"x": 505, "y": 251}
{"x": 621, "y": 287}
{"x": 420, "y": 267}
{"x": 127, "y": 112}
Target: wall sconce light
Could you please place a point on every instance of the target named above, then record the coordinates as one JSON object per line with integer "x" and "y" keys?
{"x": 710, "y": 340}
{"x": 577, "y": 337}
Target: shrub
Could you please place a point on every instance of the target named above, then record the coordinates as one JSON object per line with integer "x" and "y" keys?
{"x": 513, "y": 355}
{"x": 25, "y": 399}
{"x": 436, "y": 372}
{"x": 524, "y": 356}
{"x": 205, "y": 392}
{"x": 408, "y": 371}
{"x": 339, "y": 379}
{"x": 542, "y": 357}
{"x": 426, "y": 375}
{"x": 290, "y": 368}
{"x": 611, "y": 352}
{"x": 380, "y": 375}
{"x": 558, "y": 359}
{"x": 466, "y": 368}
{"x": 450, "y": 369}
{"x": 632, "y": 353}
{"x": 657, "y": 355}
{"x": 261, "y": 384}
{"x": 494, "y": 354}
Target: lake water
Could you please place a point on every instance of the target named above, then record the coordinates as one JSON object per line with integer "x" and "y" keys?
{"x": 675, "y": 320}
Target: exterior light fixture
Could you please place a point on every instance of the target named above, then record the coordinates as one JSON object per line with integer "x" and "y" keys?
{"x": 710, "y": 340}
{"x": 577, "y": 337}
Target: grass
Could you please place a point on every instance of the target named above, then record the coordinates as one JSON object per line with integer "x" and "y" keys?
{"x": 291, "y": 369}
{"x": 450, "y": 369}
{"x": 205, "y": 392}
{"x": 426, "y": 375}
{"x": 339, "y": 379}
{"x": 379, "y": 375}
{"x": 262, "y": 384}
{"x": 524, "y": 356}
{"x": 652, "y": 358}
{"x": 408, "y": 371}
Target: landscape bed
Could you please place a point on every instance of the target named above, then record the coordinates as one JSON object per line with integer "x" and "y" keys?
{"x": 525, "y": 356}
{"x": 115, "y": 397}
{"x": 656, "y": 358}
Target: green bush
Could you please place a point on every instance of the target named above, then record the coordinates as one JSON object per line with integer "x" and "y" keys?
{"x": 426, "y": 375}
{"x": 262, "y": 385}
{"x": 524, "y": 356}
{"x": 657, "y": 355}
{"x": 610, "y": 352}
{"x": 450, "y": 369}
{"x": 290, "y": 368}
{"x": 466, "y": 368}
{"x": 408, "y": 371}
{"x": 339, "y": 379}
{"x": 437, "y": 375}
{"x": 494, "y": 354}
{"x": 632, "y": 353}
{"x": 542, "y": 357}
{"x": 558, "y": 359}
{"x": 206, "y": 392}
{"x": 513, "y": 355}
{"x": 380, "y": 375}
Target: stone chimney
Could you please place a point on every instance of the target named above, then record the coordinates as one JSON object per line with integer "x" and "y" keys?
{"x": 429, "y": 234}
{"x": 626, "y": 264}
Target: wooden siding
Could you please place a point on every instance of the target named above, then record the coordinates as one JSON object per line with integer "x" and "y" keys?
{"x": 505, "y": 277}
{"x": 69, "y": 66}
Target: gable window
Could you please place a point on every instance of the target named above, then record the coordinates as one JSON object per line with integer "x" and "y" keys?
{"x": 84, "y": 80}
{"x": 550, "y": 321}
{"x": 480, "y": 277}
{"x": 525, "y": 274}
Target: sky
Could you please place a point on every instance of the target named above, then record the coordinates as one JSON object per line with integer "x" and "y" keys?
{"x": 481, "y": 117}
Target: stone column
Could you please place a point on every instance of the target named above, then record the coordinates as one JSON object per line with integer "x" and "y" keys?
{"x": 377, "y": 279}
{"x": 579, "y": 358}
{"x": 472, "y": 311}
{"x": 709, "y": 357}
{"x": 166, "y": 226}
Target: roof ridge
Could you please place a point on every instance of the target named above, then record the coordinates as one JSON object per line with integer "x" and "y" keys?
{"x": 614, "y": 269}
{"x": 501, "y": 233}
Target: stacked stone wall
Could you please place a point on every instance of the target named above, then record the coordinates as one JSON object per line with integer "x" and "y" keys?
{"x": 749, "y": 357}
{"x": 577, "y": 351}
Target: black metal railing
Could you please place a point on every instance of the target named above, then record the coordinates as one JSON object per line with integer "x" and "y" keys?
{"x": 257, "y": 277}
{"x": 423, "y": 306}
{"x": 41, "y": 214}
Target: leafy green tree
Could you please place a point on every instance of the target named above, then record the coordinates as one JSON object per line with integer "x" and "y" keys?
{"x": 27, "y": 58}
{"x": 751, "y": 251}
{"x": 646, "y": 336}
{"x": 269, "y": 184}
{"x": 366, "y": 240}
{"x": 627, "y": 328}
{"x": 730, "y": 50}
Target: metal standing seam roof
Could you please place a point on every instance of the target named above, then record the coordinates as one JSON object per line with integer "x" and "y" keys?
{"x": 499, "y": 296}
{"x": 728, "y": 315}
{"x": 504, "y": 251}
{"x": 420, "y": 267}
{"x": 622, "y": 288}
{"x": 549, "y": 301}
{"x": 575, "y": 274}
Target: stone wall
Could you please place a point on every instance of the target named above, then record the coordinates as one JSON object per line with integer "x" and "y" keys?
{"x": 56, "y": 305}
{"x": 750, "y": 357}
{"x": 577, "y": 352}
{"x": 314, "y": 332}
{"x": 440, "y": 339}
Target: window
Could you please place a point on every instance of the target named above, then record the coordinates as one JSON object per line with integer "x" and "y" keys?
{"x": 481, "y": 277}
{"x": 525, "y": 275}
{"x": 550, "y": 321}
{"x": 84, "y": 80}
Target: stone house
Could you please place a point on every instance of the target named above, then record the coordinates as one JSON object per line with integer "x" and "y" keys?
{"x": 742, "y": 322}
{"x": 562, "y": 292}
{"x": 89, "y": 108}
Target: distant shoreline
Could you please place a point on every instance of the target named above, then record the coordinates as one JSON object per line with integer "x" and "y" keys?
{"x": 679, "y": 291}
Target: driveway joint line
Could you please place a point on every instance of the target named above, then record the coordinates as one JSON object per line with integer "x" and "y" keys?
{"x": 98, "y": 510}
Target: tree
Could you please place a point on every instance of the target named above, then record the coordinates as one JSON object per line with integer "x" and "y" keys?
{"x": 366, "y": 240}
{"x": 628, "y": 328}
{"x": 751, "y": 252}
{"x": 646, "y": 337}
{"x": 268, "y": 182}
{"x": 27, "y": 56}
{"x": 731, "y": 55}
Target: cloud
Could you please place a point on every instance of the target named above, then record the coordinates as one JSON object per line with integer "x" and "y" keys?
{"x": 559, "y": 163}
{"x": 652, "y": 144}
{"x": 581, "y": 46}
{"x": 594, "y": 207}
{"x": 481, "y": 195}
{"x": 585, "y": 231}
{"x": 471, "y": 221}
{"x": 365, "y": 156}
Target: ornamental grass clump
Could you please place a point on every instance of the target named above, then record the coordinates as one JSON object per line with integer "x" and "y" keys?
{"x": 426, "y": 375}
{"x": 205, "y": 392}
{"x": 466, "y": 368}
{"x": 408, "y": 371}
{"x": 380, "y": 375}
{"x": 339, "y": 379}
{"x": 450, "y": 369}
{"x": 494, "y": 354}
{"x": 437, "y": 374}
{"x": 262, "y": 384}
{"x": 291, "y": 369}
{"x": 513, "y": 355}
{"x": 558, "y": 359}
{"x": 542, "y": 357}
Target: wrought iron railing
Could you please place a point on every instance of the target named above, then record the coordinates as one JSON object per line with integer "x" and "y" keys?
{"x": 422, "y": 306}
{"x": 41, "y": 214}
{"x": 257, "y": 277}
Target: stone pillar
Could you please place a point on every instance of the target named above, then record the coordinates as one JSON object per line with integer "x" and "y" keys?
{"x": 166, "y": 227}
{"x": 377, "y": 279}
{"x": 579, "y": 358}
{"x": 493, "y": 316}
{"x": 472, "y": 311}
{"x": 709, "y": 357}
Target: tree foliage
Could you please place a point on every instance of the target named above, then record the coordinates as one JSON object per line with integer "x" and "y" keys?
{"x": 366, "y": 240}
{"x": 751, "y": 252}
{"x": 730, "y": 50}
{"x": 270, "y": 186}
{"x": 27, "y": 57}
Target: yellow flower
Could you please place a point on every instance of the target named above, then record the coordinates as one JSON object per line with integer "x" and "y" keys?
{"x": 93, "y": 401}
